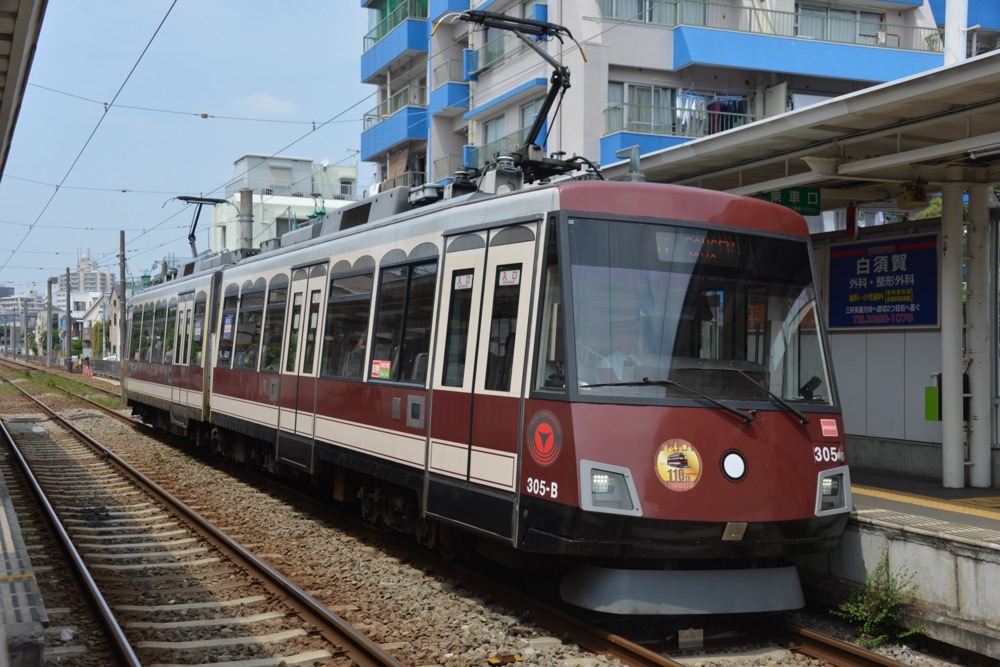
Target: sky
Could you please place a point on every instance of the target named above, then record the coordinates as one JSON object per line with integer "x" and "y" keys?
{"x": 266, "y": 73}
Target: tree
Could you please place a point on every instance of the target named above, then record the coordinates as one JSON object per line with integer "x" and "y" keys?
{"x": 97, "y": 340}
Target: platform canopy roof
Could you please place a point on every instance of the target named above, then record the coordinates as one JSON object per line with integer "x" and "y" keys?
{"x": 20, "y": 24}
{"x": 863, "y": 147}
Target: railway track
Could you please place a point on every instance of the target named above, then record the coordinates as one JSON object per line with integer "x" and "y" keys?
{"x": 170, "y": 587}
{"x": 567, "y": 623}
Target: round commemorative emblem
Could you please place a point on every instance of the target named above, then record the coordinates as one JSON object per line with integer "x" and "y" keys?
{"x": 544, "y": 438}
{"x": 678, "y": 465}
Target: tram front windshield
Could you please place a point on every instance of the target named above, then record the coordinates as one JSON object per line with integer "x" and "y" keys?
{"x": 664, "y": 311}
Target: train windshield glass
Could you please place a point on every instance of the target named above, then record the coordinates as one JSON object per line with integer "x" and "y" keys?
{"x": 662, "y": 310}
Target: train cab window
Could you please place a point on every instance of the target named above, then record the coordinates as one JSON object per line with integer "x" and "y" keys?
{"x": 159, "y": 327}
{"x": 503, "y": 323}
{"x": 550, "y": 371}
{"x": 248, "y": 329}
{"x": 274, "y": 323}
{"x": 403, "y": 323}
{"x": 198, "y": 330}
{"x": 168, "y": 338}
{"x": 457, "y": 334}
{"x": 346, "y": 332}
{"x": 228, "y": 334}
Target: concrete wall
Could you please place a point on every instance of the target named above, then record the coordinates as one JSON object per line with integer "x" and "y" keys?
{"x": 955, "y": 577}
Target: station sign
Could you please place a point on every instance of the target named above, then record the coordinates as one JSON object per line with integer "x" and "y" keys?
{"x": 804, "y": 201}
{"x": 884, "y": 284}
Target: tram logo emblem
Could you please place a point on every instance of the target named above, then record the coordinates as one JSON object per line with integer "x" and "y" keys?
{"x": 678, "y": 465}
{"x": 544, "y": 438}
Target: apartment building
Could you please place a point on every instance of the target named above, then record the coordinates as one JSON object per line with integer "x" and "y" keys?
{"x": 288, "y": 192}
{"x": 647, "y": 73}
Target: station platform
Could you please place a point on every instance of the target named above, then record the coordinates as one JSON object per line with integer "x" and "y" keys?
{"x": 22, "y": 612}
{"x": 947, "y": 539}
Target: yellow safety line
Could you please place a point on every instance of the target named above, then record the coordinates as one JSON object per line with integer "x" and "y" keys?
{"x": 15, "y": 577}
{"x": 926, "y": 501}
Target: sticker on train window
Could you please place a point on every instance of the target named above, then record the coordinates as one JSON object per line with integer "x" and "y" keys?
{"x": 381, "y": 368}
{"x": 298, "y": 299}
{"x": 315, "y": 297}
{"x": 463, "y": 281}
{"x": 509, "y": 278}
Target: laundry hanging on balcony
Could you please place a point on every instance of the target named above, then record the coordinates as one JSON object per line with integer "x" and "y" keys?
{"x": 726, "y": 112}
{"x": 691, "y": 120}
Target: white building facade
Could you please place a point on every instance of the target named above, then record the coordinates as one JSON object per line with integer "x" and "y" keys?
{"x": 288, "y": 193}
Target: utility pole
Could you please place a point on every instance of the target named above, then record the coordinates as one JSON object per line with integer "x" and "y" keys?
{"x": 122, "y": 356}
{"x": 48, "y": 328}
{"x": 69, "y": 328}
{"x": 24, "y": 321}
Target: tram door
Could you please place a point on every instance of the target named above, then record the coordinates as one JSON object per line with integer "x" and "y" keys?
{"x": 179, "y": 375}
{"x": 300, "y": 366}
{"x": 479, "y": 377}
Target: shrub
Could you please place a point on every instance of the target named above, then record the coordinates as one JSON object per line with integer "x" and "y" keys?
{"x": 875, "y": 609}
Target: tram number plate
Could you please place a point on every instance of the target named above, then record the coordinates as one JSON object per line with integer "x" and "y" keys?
{"x": 828, "y": 453}
{"x": 540, "y": 487}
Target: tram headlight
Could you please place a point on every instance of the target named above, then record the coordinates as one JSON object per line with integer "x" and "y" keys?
{"x": 601, "y": 482}
{"x": 833, "y": 493}
{"x": 609, "y": 489}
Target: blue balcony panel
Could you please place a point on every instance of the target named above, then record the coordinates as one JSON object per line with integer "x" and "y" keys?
{"x": 406, "y": 124}
{"x": 984, "y": 12}
{"x": 406, "y": 39}
{"x": 449, "y": 99}
{"x": 704, "y": 46}
{"x": 435, "y": 8}
{"x": 647, "y": 144}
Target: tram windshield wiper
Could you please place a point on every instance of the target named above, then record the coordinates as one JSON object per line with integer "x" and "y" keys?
{"x": 778, "y": 399}
{"x": 646, "y": 382}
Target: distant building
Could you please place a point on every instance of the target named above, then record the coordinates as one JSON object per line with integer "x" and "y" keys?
{"x": 15, "y": 311}
{"x": 287, "y": 193}
{"x": 86, "y": 278}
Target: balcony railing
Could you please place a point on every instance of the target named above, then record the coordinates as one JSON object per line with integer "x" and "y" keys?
{"x": 449, "y": 71}
{"x": 446, "y": 166}
{"x": 480, "y": 155}
{"x": 285, "y": 188}
{"x": 772, "y": 22}
{"x": 671, "y": 121}
{"x": 409, "y": 179}
{"x": 496, "y": 51}
{"x": 411, "y": 9}
{"x": 411, "y": 96}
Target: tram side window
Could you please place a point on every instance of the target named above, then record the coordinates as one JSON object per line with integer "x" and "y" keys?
{"x": 185, "y": 351}
{"x": 159, "y": 326}
{"x": 551, "y": 365}
{"x": 168, "y": 339}
{"x": 248, "y": 330}
{"x": 403, "y": 329}
{"x": 147, "y": 332}
{"x": 274, "y": 322}
{"x": 503, "y": 324}
{"x": 346, "y": 331}
{"x": 136, "y": 332}
{"x": 228, "y": 328}
{"x": 198, "y": 331}
{"x": 457, "y": 334}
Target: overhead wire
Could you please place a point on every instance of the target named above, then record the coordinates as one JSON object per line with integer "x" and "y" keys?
{"x": 90, "y": 138}
{"x": 499, "y": 83}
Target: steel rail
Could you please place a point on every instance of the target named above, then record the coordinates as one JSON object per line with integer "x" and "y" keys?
{"x": 824, "y": 647}
{"x": 362, "y": 650}
{"x": 121, "y": 644}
